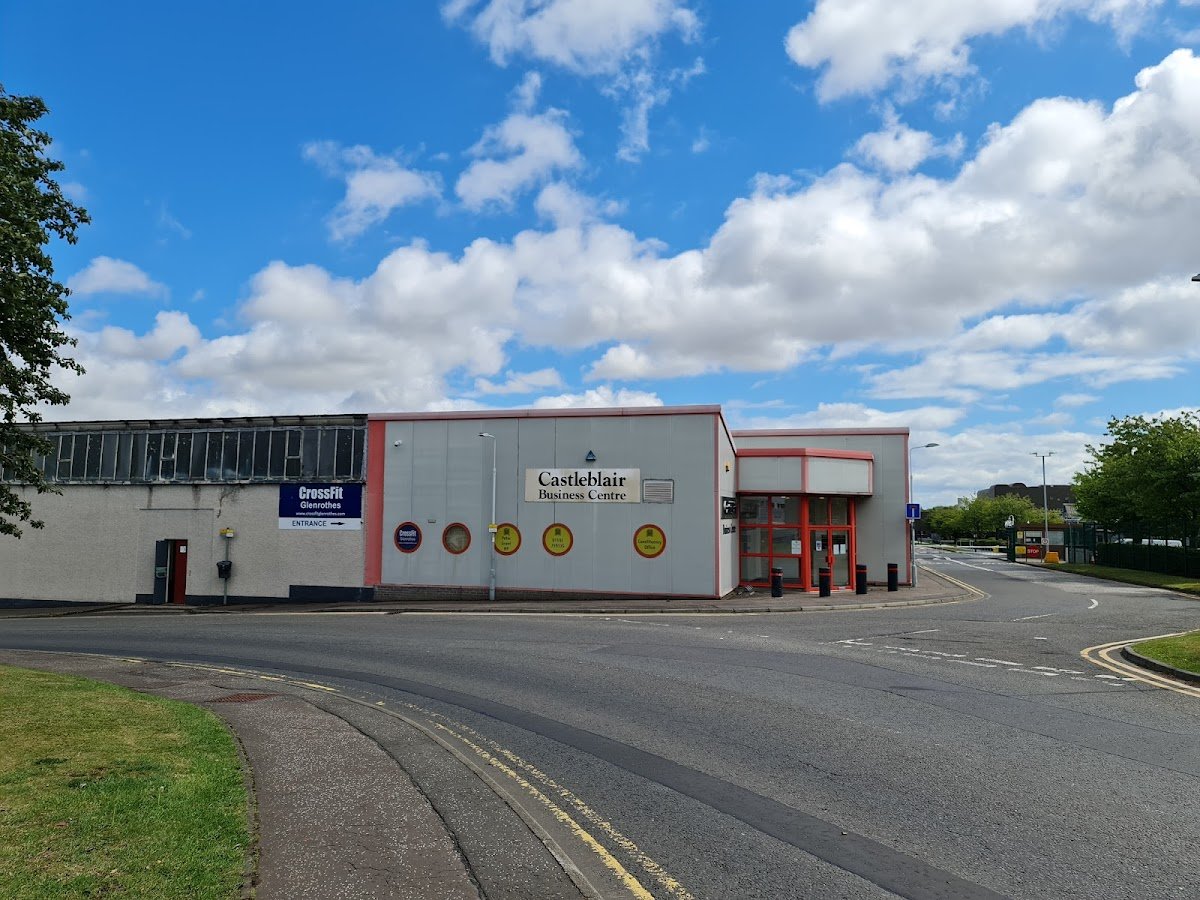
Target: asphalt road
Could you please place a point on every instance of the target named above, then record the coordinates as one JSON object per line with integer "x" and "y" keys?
{"x": 962, "y": 750}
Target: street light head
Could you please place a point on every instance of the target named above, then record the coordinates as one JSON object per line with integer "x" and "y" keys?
{"x": 1196, "y": 278}
{"x": 486, "y": 435}
{"x": 934, "y": 444}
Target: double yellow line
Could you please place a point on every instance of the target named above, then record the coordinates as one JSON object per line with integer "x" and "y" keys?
{"x": 1103, "y": 655}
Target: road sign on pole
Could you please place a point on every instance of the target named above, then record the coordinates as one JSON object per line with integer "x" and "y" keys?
{"x": 912, "y": 511}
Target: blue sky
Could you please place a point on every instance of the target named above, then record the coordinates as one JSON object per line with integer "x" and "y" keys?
{"x": 976, "y": 220}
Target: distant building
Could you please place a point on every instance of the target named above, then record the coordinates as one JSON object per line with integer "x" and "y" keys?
{"x": 1059, "y": 497}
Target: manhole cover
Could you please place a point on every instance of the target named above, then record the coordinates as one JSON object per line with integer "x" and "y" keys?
{"x": 242, "y": 698}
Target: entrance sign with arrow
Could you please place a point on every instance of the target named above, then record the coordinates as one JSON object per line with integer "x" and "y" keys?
{"x": 320, "y": 507}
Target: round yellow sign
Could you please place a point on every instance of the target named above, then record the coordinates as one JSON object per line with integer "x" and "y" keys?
{"x": 557, "y": 539}
{"x": 649, "y": 541}
{"x": 508, "y": 539}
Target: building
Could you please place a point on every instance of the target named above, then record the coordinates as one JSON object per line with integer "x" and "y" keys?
{"x": 1058, "y": 497}
{"x": 612, "y": 502}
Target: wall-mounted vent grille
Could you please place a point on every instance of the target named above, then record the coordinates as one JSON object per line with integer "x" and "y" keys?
{"x": 658, "y": 490}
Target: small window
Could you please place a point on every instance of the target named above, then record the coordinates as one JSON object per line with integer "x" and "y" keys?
{"x": 166, "y": 469}
{"x": 245, "y": 466}
{"x": 262, "y": 454}
{"x": 108, "y": 456}
{"x": 183, "y": 456}
{"x": 328, "y": 452}
{"x": 344, "y": 463}
{"x": 275, "y": 466}
{"x": 153, "y": 456}
{"x": 293, "y": 467}
{"x": 66, "y": 443}
{"x": 92, "y": 467}
{"x": 198, "y": 471}
{"x": 124, "y": 456}
{"x": 79, "y": 458}
{"x": 456, "y": 538}
{"x": 309, "y": 452}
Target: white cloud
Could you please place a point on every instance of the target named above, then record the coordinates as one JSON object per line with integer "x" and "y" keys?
{"x": 531, "y": 148}
{"x": 1072, "y": 227}
{"x": 614, "y": 41}
{"x": 862, "y": 46}
{"x": 857, "y": 415}
{"x": 579, "y": 35}
{"x": 896, "y": 148}
{"x": 521, "y": 382}
{"x": 603, "y": 396}
{"x": 375, "y": 186}
{"x": 105, "y": 275}
{"x": 1072, "y": 400}
{"x": 565, "y": 207}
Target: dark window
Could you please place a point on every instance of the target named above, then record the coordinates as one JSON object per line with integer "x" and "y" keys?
{"x": 328, "y": 452}
{"x": 199, "y": 456}
{"x": 183, "y": 455}
{"x": 92, "y": 467}
{"x": 245, "y": 454}
{"x": 64, "y": 445}
{"x": 356, "y": 463}
{"x": 262, "y": 454}
{"x": 275, "y": 468}
{"x": 229, "y": 451}
{"x": 124, "y": 456}
{"x": 212, "y": 470}
{"x": 292, "y": 465}
{"x": 79, "y": 458}
{"x": 137, "y": 458}
{"x": 166, "y": 469}
{"x": 309, "y": 452}
{"x": 344, "y": 461}
{"x": 153, "y": 455}
{"x": 108, "y": 456}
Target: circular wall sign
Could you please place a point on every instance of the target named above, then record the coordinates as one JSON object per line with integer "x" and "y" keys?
{"x": 649, "y": 541}
{"x": 407, "y": 537}
{"x": 456, "y": 538}
{"x": 508, "y": 539}
{"x": 557, "y": 539}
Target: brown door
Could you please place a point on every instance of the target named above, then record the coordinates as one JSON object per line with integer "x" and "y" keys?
{"x": 178, "y": 582}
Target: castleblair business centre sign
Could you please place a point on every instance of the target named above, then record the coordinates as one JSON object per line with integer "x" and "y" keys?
{"x": 583, "y": 485}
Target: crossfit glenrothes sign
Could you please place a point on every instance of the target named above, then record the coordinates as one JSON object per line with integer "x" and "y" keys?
{"x": 583, "y": 485}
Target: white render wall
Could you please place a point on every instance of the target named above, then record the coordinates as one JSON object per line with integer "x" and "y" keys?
{"x": 98, "y": 544}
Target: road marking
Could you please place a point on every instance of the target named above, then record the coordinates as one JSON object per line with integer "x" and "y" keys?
{"x": 1102, "y": 655}
{"x": 967, "y": 662}
{"x": 1003, "y": 662}
{"x": 1059, "y": 671}
{"x": 1027, "y": 618}
{"x": 1095, "y": 603}
{"x": 926, "y": 631}
{"x": 610, "y": 862}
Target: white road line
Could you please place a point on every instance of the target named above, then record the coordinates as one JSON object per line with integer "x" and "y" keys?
{"x": 967, "y": 662}
{"x": 1052, "y": 669}
{"x": 1027, "y": 618}
{"x": 926, "y": 631}
{"x": 1095, "y": 603}
{"x": 1003, "y": 662}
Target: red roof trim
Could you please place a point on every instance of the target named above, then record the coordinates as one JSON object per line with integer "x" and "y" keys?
{"x": 547, "y": 413}
{"x": 806, "y": 451}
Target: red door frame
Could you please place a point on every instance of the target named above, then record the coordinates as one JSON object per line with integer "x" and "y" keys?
{"x": 806, "y": 529}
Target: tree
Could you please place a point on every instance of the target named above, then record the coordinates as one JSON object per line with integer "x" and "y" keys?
{"x": 33, "y": 306}
{"x": 984, "y": 517}
{"x": 1147, "y": 480}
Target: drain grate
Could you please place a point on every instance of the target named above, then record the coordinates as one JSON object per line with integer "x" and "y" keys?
{"x": 242, "y": 698}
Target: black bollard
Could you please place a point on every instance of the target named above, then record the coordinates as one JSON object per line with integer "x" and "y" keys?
{"x": 776, "y": 582}
{"x": 824, "y": 581}
{"x": 860, "y": 578}
{"x": 893, "y": 577}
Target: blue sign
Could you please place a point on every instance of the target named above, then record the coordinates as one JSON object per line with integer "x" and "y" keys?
{"x": 335, "y": 507}
{"x": 407, "y": 537}
{"x": 912, "y": 511}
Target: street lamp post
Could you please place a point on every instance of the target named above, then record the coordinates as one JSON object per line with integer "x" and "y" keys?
{"x": 1045, "y": 506}
{"x": 492, "y": 522}
{"x": 912, "y": 525}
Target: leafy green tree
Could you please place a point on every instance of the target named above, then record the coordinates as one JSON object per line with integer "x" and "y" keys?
{"x": 984, "y": 517}
{"x": 33, "y": 305}
{"x": 1147, "y": 479}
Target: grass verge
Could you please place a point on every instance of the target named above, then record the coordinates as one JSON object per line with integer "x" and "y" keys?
{"x": 1182, "y": 652}
{"x": 1132, "y": 576}
{"x": 105, "y": 792}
